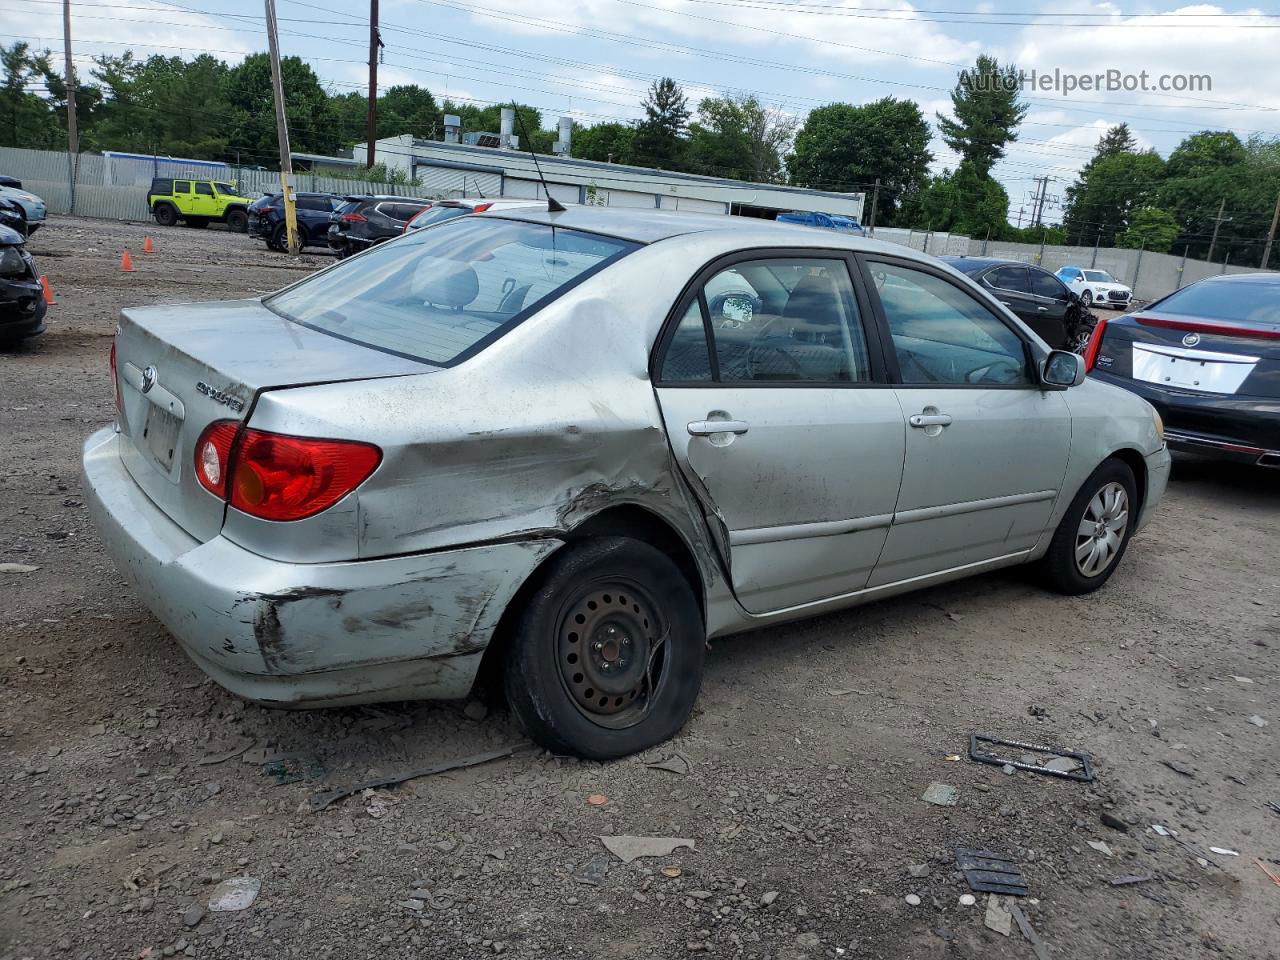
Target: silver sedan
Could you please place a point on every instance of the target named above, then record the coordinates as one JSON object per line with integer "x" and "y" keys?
{"x": 561, "y": 450}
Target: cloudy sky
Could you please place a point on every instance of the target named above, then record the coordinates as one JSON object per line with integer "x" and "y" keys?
{"x": 592, "y": 59}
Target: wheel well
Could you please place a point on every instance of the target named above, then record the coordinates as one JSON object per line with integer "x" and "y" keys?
{"x": 1138, "y": 464}
{"x": 622, "y": 521}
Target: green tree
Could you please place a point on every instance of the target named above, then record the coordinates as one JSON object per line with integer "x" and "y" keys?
{"x": 25, "y": 117}
{"x": 1117, "y": 139}
{"x": 844, "y": 148}
{"x": 1150, "y": 228}
{"x": 737, "y": 136}
{"x": 251, "y": 123}
{"x": 966, "y": 202}
{"x": 1108, "y": 189}
{"x": 605, "y": 142}
{"x": 659, "y": 138}
{"x": 986, "y": 113}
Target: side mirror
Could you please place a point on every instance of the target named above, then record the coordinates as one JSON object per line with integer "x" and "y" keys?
{"x": 1062, "y": 369}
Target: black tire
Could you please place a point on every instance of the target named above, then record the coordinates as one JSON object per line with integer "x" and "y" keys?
{"x": 1059, "y": 568}
{"x": 635, "y": 596}
{"x": 1087, "y": 298}
{"x": 165, "y": 214}
{"x": 237, "y": 221}
{"x": 279, "y": 241}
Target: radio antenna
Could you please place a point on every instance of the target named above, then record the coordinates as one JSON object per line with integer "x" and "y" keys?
{"x": 553, "y": 205}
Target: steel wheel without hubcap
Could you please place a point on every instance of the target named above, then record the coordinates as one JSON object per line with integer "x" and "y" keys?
{"x": 610, "y": 649}
{"x": 1101, "y": 531}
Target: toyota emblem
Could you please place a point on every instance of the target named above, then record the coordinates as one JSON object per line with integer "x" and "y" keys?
{"x": 1191, "y": 339}
{"x": 148, "y": 379}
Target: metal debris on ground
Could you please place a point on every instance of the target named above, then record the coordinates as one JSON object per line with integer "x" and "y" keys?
{"x": 1162, "y": 830}
{"x": 1130, "y": 879}
{"x": 1100, "y": 846}
{"x": 318, "y": 801}
{"x": 237, "y": 893}
{"x": 627, "y": 849}
{"x": 998, "y": 917}
{"x": 1068, "y": 764}
{"x": 1038, "y": 946}
{"x": 676, "y": 763}
{"x": 940, "y": 795}
{"x": 211, "y": 758}
{"x": 1224, "y": 851}
{"x": 988, "y": 872}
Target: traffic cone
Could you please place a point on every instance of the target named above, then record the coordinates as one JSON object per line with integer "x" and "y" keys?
{"x": 146, "y": 245}
{"x": 48, "y": 290}
{"x": 126, "y": 263}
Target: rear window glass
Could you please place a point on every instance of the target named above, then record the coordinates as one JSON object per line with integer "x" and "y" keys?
{"x": 434, "y": 215}
{"x": 1226, "y": 300}
{"x": 435, "y": 294}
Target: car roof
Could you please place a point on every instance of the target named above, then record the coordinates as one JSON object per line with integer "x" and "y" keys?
{"x": 974, "y": 264}
{"x": 641, "y": 225}
{"x": 1267, "y": 277}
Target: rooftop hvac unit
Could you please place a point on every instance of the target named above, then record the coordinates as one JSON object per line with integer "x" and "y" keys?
{"x": 452, "y": 127}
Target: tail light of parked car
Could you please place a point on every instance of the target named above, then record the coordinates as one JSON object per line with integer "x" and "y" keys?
{"x": 353, "y": 218}
{"x": 1095, "y": 344}
{"x": 1217, "y": 329}
{"x": 274, "y": 476}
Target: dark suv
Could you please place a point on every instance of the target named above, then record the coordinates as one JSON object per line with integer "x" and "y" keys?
{"x": 266, "y": 218}
{"x": 362, "y": 222}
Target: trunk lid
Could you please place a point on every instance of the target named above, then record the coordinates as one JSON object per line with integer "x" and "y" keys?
{"x": 180, "y": 367}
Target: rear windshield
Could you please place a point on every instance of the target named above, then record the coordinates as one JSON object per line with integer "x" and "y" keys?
{"x": 432, "y": 216}
{"x": 435, "y": 294}
{"x": 1224, "y": 300}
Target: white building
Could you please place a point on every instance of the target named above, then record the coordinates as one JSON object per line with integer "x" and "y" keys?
{"x": 458, "y": 170}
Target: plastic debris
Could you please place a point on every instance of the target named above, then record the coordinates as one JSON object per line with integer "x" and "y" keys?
{"x": 940, "y": 794}
{"x": 675, "y": 763}
{"x": 17, "y": 568}
{"x": 1224, "y": 851}
{"x": 1100, "y": 846}
{"x": 988, "y": 872}
{"x": 627, "y": 849}
{"x": 1257, "y": 721}
{"x": 237, "y": 893}
{"x": 1068, "y": 764}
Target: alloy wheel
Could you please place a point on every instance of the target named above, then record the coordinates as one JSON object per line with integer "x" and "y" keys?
{"x": 1102, "y": 529}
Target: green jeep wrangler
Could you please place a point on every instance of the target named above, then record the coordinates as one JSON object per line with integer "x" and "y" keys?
{"x": 197, "y": 202}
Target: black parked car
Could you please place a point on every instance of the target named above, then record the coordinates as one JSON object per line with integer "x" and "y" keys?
{"x": 22, "y": 304}
{"x": 1035, "y": 295}
{"x": 1207, "y": 357}
{"x": 266, "y": 218}
{"x": 13, "y": 182}
{"x": 362, "y": 222}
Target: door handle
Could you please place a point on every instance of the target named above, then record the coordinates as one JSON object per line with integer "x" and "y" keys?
{"x": 930, "y": 420}
{"x": 705, "y": 428}
{"x": 1006, "y": 303}
{"x": 1042, "y": 309}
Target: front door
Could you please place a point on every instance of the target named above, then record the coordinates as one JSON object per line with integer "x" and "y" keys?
{"x": 986, "y": 447}
{"x": 783, "y": 425}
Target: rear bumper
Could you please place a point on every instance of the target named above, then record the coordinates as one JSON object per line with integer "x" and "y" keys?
{"x": 290, "y": 634}
{"x": 1242, "y": 429}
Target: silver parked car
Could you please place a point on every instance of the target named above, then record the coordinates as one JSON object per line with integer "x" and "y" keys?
{"x": 566, "y": 448}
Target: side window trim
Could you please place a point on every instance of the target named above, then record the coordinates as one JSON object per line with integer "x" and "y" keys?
{"x": 877, "y": 357}
{"x": 864, "y": 260}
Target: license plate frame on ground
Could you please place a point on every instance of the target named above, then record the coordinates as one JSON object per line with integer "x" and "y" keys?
{"x": 161, "y": 433}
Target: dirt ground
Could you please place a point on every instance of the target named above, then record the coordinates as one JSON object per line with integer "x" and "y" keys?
{"x": 807, "y": 757}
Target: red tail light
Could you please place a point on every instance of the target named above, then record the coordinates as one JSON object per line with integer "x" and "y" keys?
{"x": 353, "y": 218}
{"x": 213, "y": 455}
{"x": 481, "y": 207}
{"x": 279, "y": 477}
{"x": 1220, "y": 329}
{"x": 115, "y": 381}
{"x": 1095, "y": 343}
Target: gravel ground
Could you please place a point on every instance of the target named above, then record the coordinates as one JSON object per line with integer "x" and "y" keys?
{"x": 806, "y": 759}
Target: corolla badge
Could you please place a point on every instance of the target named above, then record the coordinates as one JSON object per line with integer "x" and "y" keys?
{"x": 149, "y": 379}
{"x": 1191, "y": 339}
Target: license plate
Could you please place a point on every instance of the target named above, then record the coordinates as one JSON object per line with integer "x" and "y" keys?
{"x": 1191, "y": 372}
{"x": 161, "y": 433}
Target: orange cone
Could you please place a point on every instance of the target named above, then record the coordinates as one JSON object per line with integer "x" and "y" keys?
{"x": 146, "y": 245}
{"x": 126, "y": 263}
{"x": 48, "y": 290}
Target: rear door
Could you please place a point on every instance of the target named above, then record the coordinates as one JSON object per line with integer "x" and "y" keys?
{"x": 778, "y": 413}
{"x": 1051, "y": 301}
{"x": 986, "y": 448}
{"x": 183, "y": 197}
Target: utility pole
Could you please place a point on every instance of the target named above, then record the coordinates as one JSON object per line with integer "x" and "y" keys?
{"x": 1218, "y": 221}
{"x": 375, "y": 41}
{"x": 73, "y": 133}
{"x": 875, "y": 202}
{"x": 1041, "y": 192}
{"x": 1021, "y": 211}
{"x": 1097, "y": 242}
{"x": 1271, "y": 235}
{"x": 282, "y": 132}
